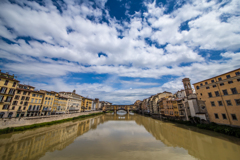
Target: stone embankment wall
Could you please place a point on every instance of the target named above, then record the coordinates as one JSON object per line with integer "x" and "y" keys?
{"x": 16, "y": 122}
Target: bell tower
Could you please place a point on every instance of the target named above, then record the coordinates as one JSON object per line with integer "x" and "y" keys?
{"x": 187, "y": 86}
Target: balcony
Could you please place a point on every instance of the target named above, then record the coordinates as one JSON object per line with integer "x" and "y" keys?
{"x": 73, "y": 109}
{"x": 46, "y": 109}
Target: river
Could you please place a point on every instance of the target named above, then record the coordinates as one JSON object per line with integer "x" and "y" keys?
{"x": 123, "y": 137}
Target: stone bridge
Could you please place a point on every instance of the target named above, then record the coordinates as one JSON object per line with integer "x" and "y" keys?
{"x": 116, "y": 108}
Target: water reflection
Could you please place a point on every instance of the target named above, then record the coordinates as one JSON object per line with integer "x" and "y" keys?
{"x": 118, "y": 136}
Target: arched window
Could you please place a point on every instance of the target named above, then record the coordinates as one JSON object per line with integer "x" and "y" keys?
{"x": 34, "y": 107}
{"x": 37, "y": 107}
{"x": 30, "y": 107}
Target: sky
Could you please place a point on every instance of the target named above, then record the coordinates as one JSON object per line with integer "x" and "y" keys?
{"x": 118, "y": 50}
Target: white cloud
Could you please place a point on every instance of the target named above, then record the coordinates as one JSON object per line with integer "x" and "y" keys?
{"x": 63, "y": 53}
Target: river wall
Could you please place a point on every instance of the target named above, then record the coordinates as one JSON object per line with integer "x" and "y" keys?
{"x": 16, "y": 122}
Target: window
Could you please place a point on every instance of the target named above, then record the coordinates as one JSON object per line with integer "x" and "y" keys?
{"x": 16, "y": 97}
{"x": 8, "y": 99}
{"x": 234, "y": 117}
{"x": 229, "y": 82}
{"x": 13, "y": 107}
{"x": 11, "y": 91}
{"x": 225, "y": 92}
{"x": 1, "y": 98}
{"x": 234, "y": 90}
{"x": 206, "y": 82}
{"x": 201, "y": 84}
{"x": 35, "y": 100}
{"x": 45, "y": 102}
{"x": 220, "y": 103}
{"x": 19, "y": 108}
{"x": 237, "y": 73}
{"x": 25, "y": 103}
{"x": 212, "y": 81}
{"x": 39, "y": 101}
{"x": 217, "y": 94}
{"x": 6, "y": 82}
{"x": 221, "y": 84}
{"x": 22, "y": 98}
{"x": 24, "y": 108}
{"x": 15, "y": 102}
{"x": 6, "y": 106}
{"x": 21, "y": 102}
{"x": 229, "y": 103}
{"x": 24, "y": 93}
{"x": 237, "y": 101}
{"x": 33, "y": 95}
{"x": 219, "y": 78}
{"x": 209, "y": 94}
{"x": 46, "y": 98}
{"x": 216, "y": 115}
{"x": 212, "y": 103}
{"x": 30, "y": 107}
{"x": 214, "y": 86}
{"x": 27, "y": 98}
{"x": 40, "y": 96}
{"x": 14, "y": 84}
{"x": 34, "y": 107}
{"x": 3, "y": 90}
{"x": 228, "y": 76}
{"x": 224, "y": 116}
{"x": 238, "y": 79}
{"x": 36, "y": 95}
{"x": 207, "y": 87}
{"x": 32, "y": 100}
{"x": 201, "y": 94}
{"x": 18, "y": 92}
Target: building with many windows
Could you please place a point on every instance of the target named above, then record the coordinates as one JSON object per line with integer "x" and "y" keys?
{"x": 21, "y": 100}
{"x": 47, "y": 102}
{"x": 222, "y": 97}
{"x": 8, "y": 85}
{"x": 87, "y": 104}
{"x": 35, "y": 103}
{"x": 60, "y": 104}
{"x": 74, "y": 101}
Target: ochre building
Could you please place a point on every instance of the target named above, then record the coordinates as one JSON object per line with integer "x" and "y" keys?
{"x": 222, "y": 97}
{"x": 8, "y": 85}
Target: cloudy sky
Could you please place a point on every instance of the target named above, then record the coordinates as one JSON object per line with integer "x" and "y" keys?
{"x": 118, "y": 50}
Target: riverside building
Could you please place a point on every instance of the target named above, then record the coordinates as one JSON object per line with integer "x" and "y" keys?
{"x": 21, "y": 100}
{"x": 222, "y": 97}
{"x": 8, "y": 85}
{"x": 74, "y": 101}
{"x": 47, "y": 102}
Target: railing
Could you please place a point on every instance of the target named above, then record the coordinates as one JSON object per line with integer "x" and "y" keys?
{"x": 73, "y": 109}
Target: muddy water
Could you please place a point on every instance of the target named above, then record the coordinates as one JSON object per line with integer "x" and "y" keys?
{"x": 113, "y": 137}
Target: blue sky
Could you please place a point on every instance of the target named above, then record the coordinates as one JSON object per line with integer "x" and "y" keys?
{"x": 118, "y": 50}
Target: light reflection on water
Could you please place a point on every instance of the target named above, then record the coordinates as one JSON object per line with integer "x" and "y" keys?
{"x": 118, "y": 136}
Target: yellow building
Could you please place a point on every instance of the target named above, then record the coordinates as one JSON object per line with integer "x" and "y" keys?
{"x": 21, "y": 100}
{"x": 222, "y": 97}
{"x": 8, "y": 85}
{"x": 60, "y": 104}
{"x": 48, "y": 102}
{"x": 86, "y": 104}
{"x": 35, "y": 104}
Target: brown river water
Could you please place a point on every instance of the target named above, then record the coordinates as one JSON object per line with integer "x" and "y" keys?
{"x": 118, "y": 137}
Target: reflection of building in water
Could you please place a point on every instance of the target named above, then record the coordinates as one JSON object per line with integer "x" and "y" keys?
{"x": 34, "y": 144}
{"x": 197, "y": 144}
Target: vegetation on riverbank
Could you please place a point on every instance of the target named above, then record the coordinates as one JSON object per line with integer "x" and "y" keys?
{"x": 228, "y": 130}
{"x": 23, "y": 128}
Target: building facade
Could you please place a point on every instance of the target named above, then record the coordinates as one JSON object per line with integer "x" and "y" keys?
{"x": 8, "y": 85}
{"x": 60, "y": 104}
{"x": 222, "y": 97}
{"x": 74, "y": 101}
{"x": 87, "y": 104}
{"x": 21, "y": 100}
{"x": 47, "y": 102}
